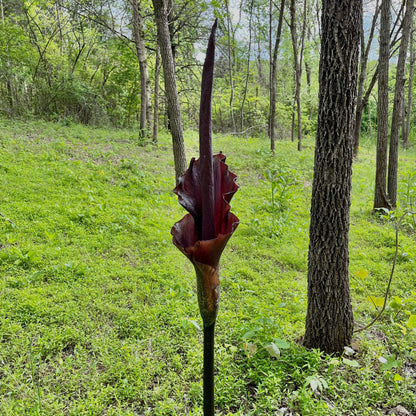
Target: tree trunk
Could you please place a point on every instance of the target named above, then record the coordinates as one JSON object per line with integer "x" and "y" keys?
{"x": 250, "y": 18}
{"x": 145, "y": 91}
{"x": 172, "y": 97}
{"x": 370, "y": 124}
{"x": 9, "y": 72}
{"x": 297, "y": 62}
{"x": 365, "y": 50}
{"x": 230, "y": 66}
{"x": 397, "y": 117}
{"x": 380, "y": 195}
{"x": 156, "y": 106}
{"x": 406, "y": 129}
{"x": 329, "y": 320}
{"x": 273, "y": 71}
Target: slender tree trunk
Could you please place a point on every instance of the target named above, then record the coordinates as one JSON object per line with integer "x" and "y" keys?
{"x": 329, "y": 320}
{"x": 308, "y": 71}
{"x": 248, "y": 68}
{"x": 173, "y": 106}
{"x": 156, "y": 106}
{"x": 9, "y": 83}
{"x": 230, "y": 66}
{"x": 145, "y": 90}
{"x": 397, "y": 116}
{"x": 361, "y": 81}
{"x": 259, "y": 56}
{"x": 366, "y": 96}
{"x": 403, "y": 115}
{"x": 297, "y": 60}
{"x": 299, "y": 74}
{"x": 406, "y": 129}
{"x": 370, "y": 124}
{"x": 380, "y": 195}
{"x": 365, "y": 50}
{"x": 292, "y": 134}
{"x": 273, "y": 71}
{"x": 307, "y": 44}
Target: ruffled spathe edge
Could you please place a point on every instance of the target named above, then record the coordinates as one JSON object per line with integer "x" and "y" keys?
{"x": 205, "y": 254}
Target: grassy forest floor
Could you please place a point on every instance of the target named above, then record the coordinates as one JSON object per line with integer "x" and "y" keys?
{"x": 98, "y": 310}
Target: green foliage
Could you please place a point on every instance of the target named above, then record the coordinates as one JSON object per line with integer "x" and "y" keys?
{"x": 408, "y": 198}
{"x": 280, "y": 195}
{"x": 98, "y": 310}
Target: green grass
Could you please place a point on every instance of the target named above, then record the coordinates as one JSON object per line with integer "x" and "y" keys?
{"x": 98, "y": 310}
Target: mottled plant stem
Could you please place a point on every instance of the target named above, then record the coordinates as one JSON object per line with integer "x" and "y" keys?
{"x": 205, "y": 142}
{"x": 209, "y": 333}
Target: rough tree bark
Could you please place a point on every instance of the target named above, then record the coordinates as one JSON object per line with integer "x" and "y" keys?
{"x": 380, "y": 195}
{"x": 273, "y": 70}
{"x": 397, "y": 116}
{"x": 329, "y": 320}
{"x": 145, "y": 90}
{"x": 172, "y": 97}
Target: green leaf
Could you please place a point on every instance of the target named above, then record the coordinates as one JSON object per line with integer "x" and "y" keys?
{"x": 398, "y": 377}
{"x": 250, "y": 348}
{"x": 273, "y": 350}
{"x": 362, "y": 274}
{"x": 389, "y": 363}
{"x": 377, "y": 302}
{"x": 250, "y": 334}
{"x": 316, "y": 383}
{"x": 396, "y": 303}
{"x": 411, "y": 323}
{"x": 351, "y": 363}
{"x": 281, "y": 343}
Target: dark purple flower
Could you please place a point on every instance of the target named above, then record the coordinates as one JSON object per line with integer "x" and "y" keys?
{"x": 205, "y": 191}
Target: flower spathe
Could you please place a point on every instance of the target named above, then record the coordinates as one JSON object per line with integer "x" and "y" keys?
{"x": 205, "y": 254}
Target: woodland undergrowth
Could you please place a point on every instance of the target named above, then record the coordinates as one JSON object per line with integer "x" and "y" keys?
{"x": 98, "y": 310}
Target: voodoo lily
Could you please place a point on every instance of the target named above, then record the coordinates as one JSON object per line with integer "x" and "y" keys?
{"x": 205, "y": 191}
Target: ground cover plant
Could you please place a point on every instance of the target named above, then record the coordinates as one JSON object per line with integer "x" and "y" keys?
{"x": 98, "y": 312}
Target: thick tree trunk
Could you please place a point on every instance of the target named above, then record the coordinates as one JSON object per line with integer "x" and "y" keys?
{"x": 145, "y": 90}
{"x": 397, "y": 117}
{"x": 406, "y": 126}
{"x": 329, "y": 320}
{"x": 173, "y": 107}
{"x": 380, "y": 195}
{"x": 273, "y": 71}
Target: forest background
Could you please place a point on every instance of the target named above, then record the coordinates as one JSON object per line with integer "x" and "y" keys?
{"x": 78, "y": 60}
{"x": 97, "y": 63}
